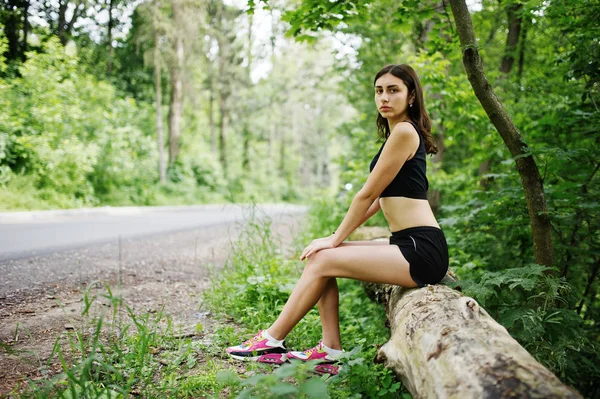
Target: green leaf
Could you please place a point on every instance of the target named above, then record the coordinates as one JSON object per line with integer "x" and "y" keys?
{"x": 283, "y": 388}
{"x": 228, "y": 377}
{"x": 315, "y": 388}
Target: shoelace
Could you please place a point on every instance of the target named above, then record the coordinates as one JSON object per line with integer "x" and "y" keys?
{"x": 309, "y": 352}
{"x": 258, "y": 337}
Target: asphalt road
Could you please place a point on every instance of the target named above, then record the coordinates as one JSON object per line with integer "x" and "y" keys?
{"x": 24, "y": 235}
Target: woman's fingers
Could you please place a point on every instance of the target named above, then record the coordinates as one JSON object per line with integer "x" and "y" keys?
{"x": 304, "y": 253}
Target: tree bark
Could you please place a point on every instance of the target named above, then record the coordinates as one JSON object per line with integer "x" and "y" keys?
{"x": 523, "y": 42}
{"x": 526, "y": 166}
{"x": 211, "y": 119}
{"x": 11, "y": 30}
{"x": 176, "y": 105}
{"x": 65, "y": 28}
{"x": 246, "y": 148}
{"x": 109, "y": 61}
{"x": 222, "y": 132}
{"x": 26, "y": 5}
{"x": 62, "y": 11}
{"x": 512, "y": 37}
{"x": 162, "y": 167}
{"x": 444, "y": 345}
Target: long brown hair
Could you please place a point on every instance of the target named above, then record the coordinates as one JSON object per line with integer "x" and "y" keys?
{"x": 418, "y": 113}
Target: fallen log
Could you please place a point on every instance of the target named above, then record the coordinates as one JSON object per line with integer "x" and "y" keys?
{"x": 444, "y": 345}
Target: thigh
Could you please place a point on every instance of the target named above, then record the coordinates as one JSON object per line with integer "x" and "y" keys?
{"x": 380, "y": 264}
{"x": 364, "y": 243}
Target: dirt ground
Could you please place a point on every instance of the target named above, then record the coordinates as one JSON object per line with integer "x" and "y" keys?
{"x": 162, "y": 273}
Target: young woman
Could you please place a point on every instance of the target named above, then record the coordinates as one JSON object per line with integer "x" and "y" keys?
{"x": 416, "y": 254}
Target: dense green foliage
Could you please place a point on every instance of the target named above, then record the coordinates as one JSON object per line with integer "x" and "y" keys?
{"x": 551, "y": 94}
{"x": 74, "y": 132}
{"x": 79, "y": 125}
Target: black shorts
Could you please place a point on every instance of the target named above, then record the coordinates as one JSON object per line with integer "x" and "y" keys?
{"x": 426, "y": 251}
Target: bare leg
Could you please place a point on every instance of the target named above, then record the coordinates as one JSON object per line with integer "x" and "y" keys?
{"x": 384, "y": 264}
{"x": 328, "y": 306}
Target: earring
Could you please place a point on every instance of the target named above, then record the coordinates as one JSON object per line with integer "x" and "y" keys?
{"x": 410, "y": 105}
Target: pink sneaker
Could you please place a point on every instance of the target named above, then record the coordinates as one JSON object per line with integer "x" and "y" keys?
{"x": 259, "y": 349}
{"x": 327, "y": 368}
{"x": 316, "y": 353}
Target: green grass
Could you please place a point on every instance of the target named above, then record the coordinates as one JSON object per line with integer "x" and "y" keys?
{"x": 118, "y": 353}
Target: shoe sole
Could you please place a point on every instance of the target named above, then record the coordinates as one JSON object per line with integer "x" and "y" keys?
{"x": 323, "y": 370}
{"x": 269, "y": 358}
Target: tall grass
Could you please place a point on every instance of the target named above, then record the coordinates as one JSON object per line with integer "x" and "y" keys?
{"x": 117, "y": 353}
{"x": 254, "y": 285}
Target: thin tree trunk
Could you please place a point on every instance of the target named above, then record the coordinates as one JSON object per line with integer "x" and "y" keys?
{"x": 588, "y": 286}
{"x": 11, "y": 31}
{"x": 512, "y": 42}
{"x": 162, "y": 167}
{"x": 246, "y": 148}
{"x": 109, "y": 61}
{"x": 514, "y": 12}
{"x": 222, "y": 133}
{"x": 247, "y": 109}
{"x": 25, "y": 29}
{"x": 65, "y": 28}
{"x": 211, "y": 119}
{"x": 522, "y": 42}
{"x": 62, "y": 10}
{"x": 282, "y": 154}
{"x": 526, "y": 166}
{"x": 176, "y": 106}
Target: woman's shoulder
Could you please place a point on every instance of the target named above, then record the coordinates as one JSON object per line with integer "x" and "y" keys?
{"x": 405, "y": 131}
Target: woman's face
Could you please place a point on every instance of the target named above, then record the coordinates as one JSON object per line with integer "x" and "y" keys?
{"x": 391, "y": 96}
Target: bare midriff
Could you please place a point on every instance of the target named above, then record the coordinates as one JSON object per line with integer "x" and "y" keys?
{"x": 402, "y": 213}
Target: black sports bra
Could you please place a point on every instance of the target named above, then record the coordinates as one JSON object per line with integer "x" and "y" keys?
{"x": 411, "y": 180}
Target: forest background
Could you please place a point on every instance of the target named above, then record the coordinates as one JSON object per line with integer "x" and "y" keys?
{"x": 120, "y": 102}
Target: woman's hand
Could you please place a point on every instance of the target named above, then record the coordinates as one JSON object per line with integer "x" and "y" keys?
{"x": 317, "y": 245}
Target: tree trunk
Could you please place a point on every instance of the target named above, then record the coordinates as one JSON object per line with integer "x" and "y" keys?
{"x": 512, "y": 38}
{"x": 109, "y": 61}
{"x": 282, "y": 155}
{"x": 444, "y": 345}
{"x": 162, "y": 168}
{"x": 222, "y": 133}
{"x": 246, "y": 148}
{"x": 11, "y": 30}
{"x": 512, "y": 42}
{"x": 62, "y": 11}
{"x": 526, "y": 166}
{"x": 26, "y": 5}
{"x": 176, "y": 106}
{"x": 593, "y": 273}
{"x": 211, "y": 119}
{"x": 523, "y": 41}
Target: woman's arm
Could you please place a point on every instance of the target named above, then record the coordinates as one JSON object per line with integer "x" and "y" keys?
{"x": 373, "y": 209}
{"x": 398, "y": 147}
{"x": 396, "y": 151}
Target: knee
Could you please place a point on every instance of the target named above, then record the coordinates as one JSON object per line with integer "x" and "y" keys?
{"x": 318, "y": 263}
